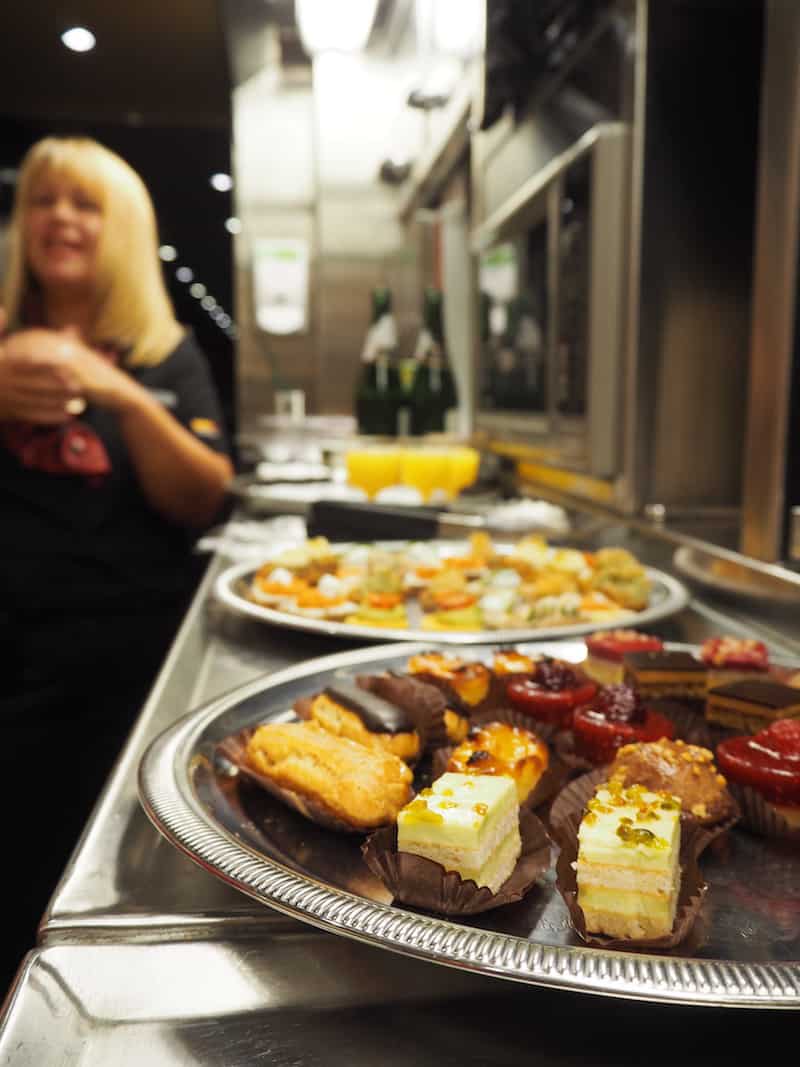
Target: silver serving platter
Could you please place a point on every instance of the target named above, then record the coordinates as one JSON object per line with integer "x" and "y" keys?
{"x": 738, "y": 579}
{"x": 668, "y": 597}
{"x": 747, "y": 951}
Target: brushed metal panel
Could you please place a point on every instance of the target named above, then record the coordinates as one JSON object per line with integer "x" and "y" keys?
{"x": 774, "y": 311}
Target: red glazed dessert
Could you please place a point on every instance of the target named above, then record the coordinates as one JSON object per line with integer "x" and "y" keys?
{"x": 730, "y": 659}
{"x": 607, "y": 648}
{"x": 552, "y": 693}
{"x": 768, "y": 762}
{"x": 617, "y": 716}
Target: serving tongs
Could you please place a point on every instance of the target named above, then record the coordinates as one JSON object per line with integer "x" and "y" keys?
{"x": 355, "y": 521}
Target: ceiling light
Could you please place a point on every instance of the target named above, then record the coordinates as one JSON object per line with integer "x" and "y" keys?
{"x": 78, "y": 39}
{"x": 233, "y": 225}
{"x": 330, "y": 27}
{"x": 184, "y": 274}
{"x": 168, "y": 253}
{"x": 208, "y": 302}
{"x": 221, "y": 182}
{"x": 197, "y": 290}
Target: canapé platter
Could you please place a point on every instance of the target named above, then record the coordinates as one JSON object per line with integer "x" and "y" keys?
{"x": 234, "y": 590}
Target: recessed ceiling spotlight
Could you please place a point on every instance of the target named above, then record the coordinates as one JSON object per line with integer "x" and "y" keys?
{"x": 78, "y": 39}
{"x": 207, "y": 303}
{"x": 197, "y": 290}
{"x": 233, "y": 225}
{"x": 168, "y": 253}
{"x": 184, "y": 274}
{"x": 221, "y": 182}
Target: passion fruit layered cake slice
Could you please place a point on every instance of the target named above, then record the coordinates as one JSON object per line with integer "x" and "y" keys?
{"x": 628, "y": 869}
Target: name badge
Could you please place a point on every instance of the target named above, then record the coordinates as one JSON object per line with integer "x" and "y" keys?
{"x": 165, "y": 397}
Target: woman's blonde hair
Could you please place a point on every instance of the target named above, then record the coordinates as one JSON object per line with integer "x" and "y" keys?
{"x": 133, "y": 310}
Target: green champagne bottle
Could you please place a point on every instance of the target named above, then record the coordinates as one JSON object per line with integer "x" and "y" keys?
{"x": 433, "y": 392}
{"x": 378, "y": 393}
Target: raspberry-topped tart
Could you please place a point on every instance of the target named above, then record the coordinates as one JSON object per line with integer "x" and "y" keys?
{"x": 616, "y": 716}
{"x": 768, "y": 762}
{"x": 607, "y": 649}
{"x": 731, "y": 659}
{"x": 553, "y": 692}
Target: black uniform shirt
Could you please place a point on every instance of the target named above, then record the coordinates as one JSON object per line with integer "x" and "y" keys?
{"x": 74, "y": 544}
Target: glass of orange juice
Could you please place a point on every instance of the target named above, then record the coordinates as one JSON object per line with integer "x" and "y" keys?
{"x": 425, "y": 469}
{"x": 462, "y": 469}
{"x": 373, "y": 469}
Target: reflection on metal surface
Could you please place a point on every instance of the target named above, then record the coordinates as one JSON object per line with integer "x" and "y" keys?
{"x": 748, "y": 954}
{"x": 774, "y": 288}
{"x": 326, "y": 1002}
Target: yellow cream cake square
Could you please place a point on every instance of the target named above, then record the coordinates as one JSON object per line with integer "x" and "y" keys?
{"x": 468, "y": 824}
{"x": 628, "y": 869}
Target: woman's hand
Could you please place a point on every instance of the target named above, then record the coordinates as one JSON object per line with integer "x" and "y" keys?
{"x": 48, "y": 376}
{"x": 100, "y": 381}
{"x": 37, "y": 383}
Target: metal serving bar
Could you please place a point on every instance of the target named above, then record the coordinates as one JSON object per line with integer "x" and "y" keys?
{"x": 291, "y": 1004}
{"x": 125, "y": 882}
{"x": 200, "y": 973}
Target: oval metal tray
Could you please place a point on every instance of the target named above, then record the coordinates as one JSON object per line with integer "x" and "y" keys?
{"x": 668, "y": 597}
{"x": 735, "y": 579}
{"x": 748, "y": 954}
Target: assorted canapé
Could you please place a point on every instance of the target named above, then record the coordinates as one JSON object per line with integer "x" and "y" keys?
{"x": 533, "y": 585}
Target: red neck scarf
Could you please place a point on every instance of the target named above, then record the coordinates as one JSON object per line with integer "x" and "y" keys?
{"x": 70, "y": 449}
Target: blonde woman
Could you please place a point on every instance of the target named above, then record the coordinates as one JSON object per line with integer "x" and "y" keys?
{"x": 112, "y": 457}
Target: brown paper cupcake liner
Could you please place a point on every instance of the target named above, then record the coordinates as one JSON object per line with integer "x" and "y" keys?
{"x": 504, "y": 713}
{"x": 564, "y": 745}
{"x": 574, "y": 797}
{"x": 549, "y": 784}
{"x": 690, "y": 898}
{"x": 234, "y": 749}
{"x": 757, "y": 815}
{"x": 422, "y": 883}
{"x": 424, "y": 704}
{"x": 495, "y": 696}
{"x": 691, "y": 724}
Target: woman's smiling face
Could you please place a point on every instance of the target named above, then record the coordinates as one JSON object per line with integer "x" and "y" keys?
{"x": 62, "y": 232}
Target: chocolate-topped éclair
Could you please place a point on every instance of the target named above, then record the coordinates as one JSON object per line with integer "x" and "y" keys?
{"x": 347, "y": 710}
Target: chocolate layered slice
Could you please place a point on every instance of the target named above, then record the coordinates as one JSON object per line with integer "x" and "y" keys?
{"x": 752, "y": 705}
{"x": 666, "y": 674}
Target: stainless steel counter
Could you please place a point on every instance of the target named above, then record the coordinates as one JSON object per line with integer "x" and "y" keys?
{"x": 140, "y": 940}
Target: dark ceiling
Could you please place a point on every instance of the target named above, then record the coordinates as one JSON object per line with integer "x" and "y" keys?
{"x": 157, "y": 90}
{"x": 156, "y": 61}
